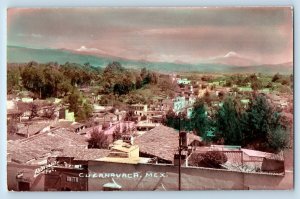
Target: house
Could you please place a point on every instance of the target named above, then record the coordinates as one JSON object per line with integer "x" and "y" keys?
{"x": 123, "y": 127}
{"x": 143, "y": 126}
{"x": 245, "y": 102}
{"x": 14, "y": 114}
{"x": 240, "y": 159}
{"x": 162, "y": 142}
{"x": 98, "y": 110}
{"x": 36, "y": 149}
{"x": 75, "y": 127}
{"x": 30, "y": 129}
{"x": 66, "y": 115}
{"x": 179, "y": 104}
{"x": 183, "y": 81}
{"x": 140, "y": 109}
{"x": 124, "y": 151}
{"x": 167, "y": 104}
{"x": 106, "y": 118}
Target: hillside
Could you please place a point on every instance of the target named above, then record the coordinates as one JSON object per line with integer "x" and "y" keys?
{"x": 17, "y": 54}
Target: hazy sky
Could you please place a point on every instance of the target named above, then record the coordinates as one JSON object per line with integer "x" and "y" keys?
{"x": 158, "y": 34}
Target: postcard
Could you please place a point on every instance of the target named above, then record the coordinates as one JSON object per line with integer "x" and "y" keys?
{"x": 150, "y": 98}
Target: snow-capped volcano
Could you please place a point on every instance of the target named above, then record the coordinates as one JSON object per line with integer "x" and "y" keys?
{"x": 234, "y": 59}
{"x": 231, "y": 54}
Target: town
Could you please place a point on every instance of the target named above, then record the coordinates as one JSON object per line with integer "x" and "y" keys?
{"x": 68, "y": 121}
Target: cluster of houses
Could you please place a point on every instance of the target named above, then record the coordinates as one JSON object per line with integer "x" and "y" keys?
{"x": 54, "y": 133}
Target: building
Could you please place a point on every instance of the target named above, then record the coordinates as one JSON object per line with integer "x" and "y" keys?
{"x": 37, "y": 148}
{"x": 179, "y": 104}
{"x": 140, "y": 109}
{"x": 65, "y": 114}
{"x": 30, "y": 129}
{"x": 161, "y": 142}
{"x": 144, "y": 126}
{"x": 183, "y": 81}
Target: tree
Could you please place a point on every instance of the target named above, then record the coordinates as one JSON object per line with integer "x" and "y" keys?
{"x": 74, "y": 100}
{"x": 260, "y": 120}
{"x": 13, "y": 77}
{"x": 84, "y": 112}
{"x": 278, "y": 139}
{"x": 199, "y": 119}
{"x": 138, "y": 82}
{"x": 117, "y": 133}
{"x": 276, "y": 77}
{"x": 12, "y": 127}
{"x": 207, "y": 98}
{"x": 34, "y": 108}
{"x": 177, "y": 121}
{"x": 256, "y": 85}
{"x": 211, "y": 159}
{"x": 98, "y": 140}
{"x": 221, "y": 95}
{"x": 125, "y": 129}
{"x": 228, "y": 121}
{"x": 129, "y": 115}
{"x": 143, "y": 73}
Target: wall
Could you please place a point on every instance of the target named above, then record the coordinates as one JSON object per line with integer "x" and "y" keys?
{"x": 36, "y": 184}
{"x": 165, "y": 177}
{"x": 70, "y": 116}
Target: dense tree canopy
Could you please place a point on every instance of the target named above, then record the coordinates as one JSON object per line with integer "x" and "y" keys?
{"x": 228, "y": 122}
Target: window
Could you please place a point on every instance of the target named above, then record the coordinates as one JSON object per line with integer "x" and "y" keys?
{"x": 72, "y": 179}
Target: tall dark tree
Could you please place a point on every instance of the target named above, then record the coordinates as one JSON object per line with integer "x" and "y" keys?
{"x": 260, "y": 119}
{"x": 199, "y": 119}
{"x": 98, "y": 140}
{"x": 75, "y": 101}
{"x": 228, "y": 122}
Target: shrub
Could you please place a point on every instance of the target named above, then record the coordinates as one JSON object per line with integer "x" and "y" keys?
{"x": 98, "y": 140}
{"x": 211, "y": 159}
{"x": 278, "y": 139}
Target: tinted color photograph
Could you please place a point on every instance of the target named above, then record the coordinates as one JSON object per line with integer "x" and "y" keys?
{"x": 150, "y": 98}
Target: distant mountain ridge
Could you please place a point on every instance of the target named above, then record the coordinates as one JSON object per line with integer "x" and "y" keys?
{"x": 229, "y": 64}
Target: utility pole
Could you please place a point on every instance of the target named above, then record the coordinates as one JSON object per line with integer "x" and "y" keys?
{"x": 179, "y": 165}
{"x": 182, "y": 145}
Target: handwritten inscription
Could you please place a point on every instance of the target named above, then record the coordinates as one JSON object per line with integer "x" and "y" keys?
{"x": 45, "y": 169}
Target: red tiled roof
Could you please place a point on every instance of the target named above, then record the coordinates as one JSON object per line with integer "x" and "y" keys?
{"x": 41, "y": 145}
{"x": 162, "y": 142}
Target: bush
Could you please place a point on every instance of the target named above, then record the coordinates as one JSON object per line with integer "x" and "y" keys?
{"x": 278, "y": 139}
{"x": 211, "y": 159}
{"x": 98, "y": 140}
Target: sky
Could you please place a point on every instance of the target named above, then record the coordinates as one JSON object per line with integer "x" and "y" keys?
{"x": 190, "y": 35}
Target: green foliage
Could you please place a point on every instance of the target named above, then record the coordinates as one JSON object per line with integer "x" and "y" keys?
{"x": 13, "y": 79}
{"x": 84, "y": 113}
{"x": 276, "y": 77}
{"x": 177, "y": 121}
{"x": 199, "y": 119}
{"x": 211, "y": 159}
{"x": 259, "y": 126}
{"x": 278, "y": 139}
{"x": 82, "y": 108}
{"x": 260, "y": 119}
{"x": 282, "y": 79}
{"x": 98, "y": 140}
{"x": 119, "y": 81}
{"x": 228, "y": 122}
{"x": 51, "y": 80}
{"x": 117, "y": 133}
{"x": 256, "y": 85}
{"x": 75, "y": 101}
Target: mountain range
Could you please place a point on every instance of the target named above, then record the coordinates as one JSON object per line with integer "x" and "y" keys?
{"x": 229, "y": 63}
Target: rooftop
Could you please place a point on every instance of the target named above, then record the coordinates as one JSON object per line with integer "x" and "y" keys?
{"x": 162, "y": 142}
{"x": 44, "y": 145}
